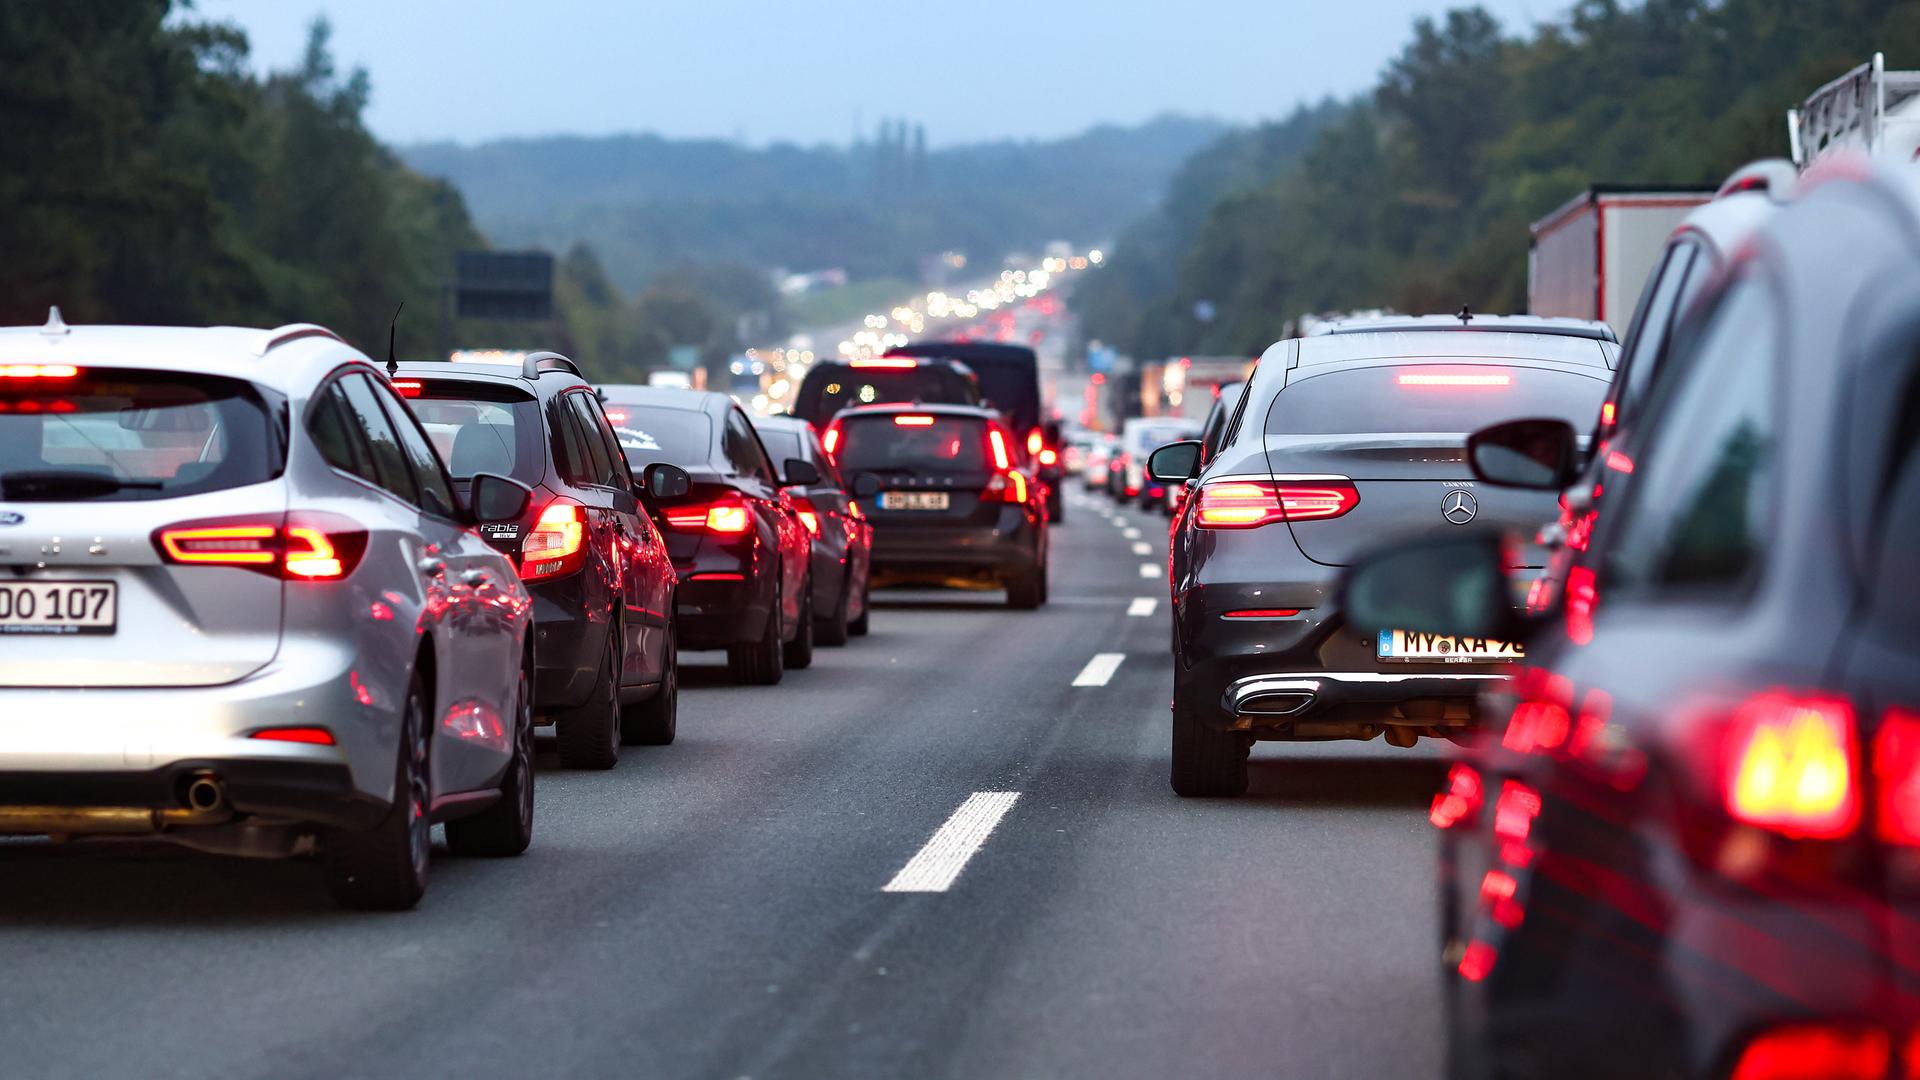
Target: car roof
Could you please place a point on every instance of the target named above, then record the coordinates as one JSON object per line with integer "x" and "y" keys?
{"x": 782, "y": 423}
{"x": 887, "y": 408}
{"x": 1442, "y": 346}
{"x": 1551, "y": 325}
{"x": 547, "y": 364}
{"x": 283, "y": 358}
{"x": 967, "y": 350}
{"x": 665, "y": 397}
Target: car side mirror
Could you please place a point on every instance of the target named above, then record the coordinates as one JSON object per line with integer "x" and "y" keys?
{"x": 494, "y": 498}
{"x": 1174, "y": 463}
{"x": 865, "y": 485}
{"x": 1540, "y": 454}
{"x": 665, "y": 480}
{"x": 800, "y": 472}
{"x": 1453, "y": 586}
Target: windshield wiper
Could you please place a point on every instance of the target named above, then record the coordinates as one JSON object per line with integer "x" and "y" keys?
{"x": 33, "y": 484}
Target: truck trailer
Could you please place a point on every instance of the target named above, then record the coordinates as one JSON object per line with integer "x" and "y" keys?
{"x": 1590, "y": 258}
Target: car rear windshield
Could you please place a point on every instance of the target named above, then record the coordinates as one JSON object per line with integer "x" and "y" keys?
{"x": 828, "y": 389}
{"x": 1452, "y": 398}
{"x": 912, "y": 443}
{"x": 124, "y": 434}
{"x": 650, "y": 433}
{"x": 482, "y": 428}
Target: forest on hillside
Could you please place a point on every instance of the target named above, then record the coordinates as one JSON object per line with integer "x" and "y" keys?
{"x": 1417, "y": 196}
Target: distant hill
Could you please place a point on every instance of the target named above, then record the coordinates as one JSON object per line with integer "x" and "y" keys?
{"x": 645, "y": 202}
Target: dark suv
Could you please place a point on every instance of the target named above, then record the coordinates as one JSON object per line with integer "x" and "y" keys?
{"x": 842, "y": 535}
{"x": 832, "y": 385}
{"x": 602, "y": 584}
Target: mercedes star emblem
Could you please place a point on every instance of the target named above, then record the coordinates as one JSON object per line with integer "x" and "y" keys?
{"x": 1460, "y": 507}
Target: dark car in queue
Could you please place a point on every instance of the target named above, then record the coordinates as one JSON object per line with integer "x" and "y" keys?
{"x": 602, "y": 585}
{"x": 738, "y": 543}
{"x": 958, "y": 504}
{"x": 1010, "y": 382}
{"x": 832, "y": 385}
{"x": 1690, "y": 847}
{"x": 1339, "y": 441}
{"x": 842, "y": 535}
{"x": 1696, "y": 253}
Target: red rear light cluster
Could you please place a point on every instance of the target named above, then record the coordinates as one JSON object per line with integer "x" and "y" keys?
{"x": 1461, "y": 799}
{"x": 1250, "y": 504}
{"x": 1789, "y": 766}
{"x": 557, "y": 543}
{"x": 895, "y": 363}
{"x": 727, "y": 516}
{"x": 300, "y": 546}
{"x": 1826, "y": 1052}
{"x": 408, "y": 388}
{"x": 809, "y": 514}
{"x": 311, "y": 736}
{"x": 1896, "y": 775}
{"x": 38, "y": 371}
{"x": 831, "y": 440}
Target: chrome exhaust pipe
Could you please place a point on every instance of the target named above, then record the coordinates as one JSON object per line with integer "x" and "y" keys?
{"x": 1272, "y": 697}
{"x": 205, "y": 795}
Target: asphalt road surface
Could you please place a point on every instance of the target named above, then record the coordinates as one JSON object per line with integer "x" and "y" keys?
{"x": 761, "y": 899}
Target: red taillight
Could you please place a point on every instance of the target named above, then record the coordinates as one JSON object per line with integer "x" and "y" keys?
{"x": 1450, "y": 377}
{"x": 1476, "y": 961}
{"x": 1249, "y": 504}
{"x": 312, "y": 736}
{"x": 558, "y": 542}
{"x": 302, "y": 546}
{"x": 617, "y": 416}
{"x": 1896, "y": 778}
{"x": 728, "y": 516}
{"x": 1619, "y": 462}
{"x": 831, "y": 440}
{"x": 809, "y": 515}
{"x": 1789, "y": 766}
{"x": 1460, "y": 801}
{"x": 997, "y": 444}
{"x": 1262, "y": 613}
{"x": 38, "y": 371}
{"x": 1514, "y": 811}
{"x": 1816, "y": 1052}
{"x": 891, "y": 363}
{"x": 1606, "y": 415}
{"x": 408, "y": 388}
{"x": 913, "y": 420}
{"x": 1583, "y": 595}
{"x": 1035, "y": 442}
{"x": 1049, "y": 457}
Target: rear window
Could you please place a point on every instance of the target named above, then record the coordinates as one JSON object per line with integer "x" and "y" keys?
{"x": 649, "y": 433}
{"x": 120, "y": 435}
{"x": 902, "y": 443}
{"x": 481, "y": 428}
{"x": 830, "y": 388}
{"x": 1451, "y": 398}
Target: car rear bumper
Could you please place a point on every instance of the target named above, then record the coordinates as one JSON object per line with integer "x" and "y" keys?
{"x": 957, "y": 555}
{"x": 155, "y": 801}
{"x": 715, "y": 607}
{"x": 570, "y": 640}
{"x": 1281, "y": 697}
{"x": 128, "y": 746}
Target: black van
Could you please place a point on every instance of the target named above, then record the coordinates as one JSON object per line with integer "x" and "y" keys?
{"x": 832, "y": 385}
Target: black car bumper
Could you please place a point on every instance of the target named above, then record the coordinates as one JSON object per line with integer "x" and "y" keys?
{"x": 316, "y": 793}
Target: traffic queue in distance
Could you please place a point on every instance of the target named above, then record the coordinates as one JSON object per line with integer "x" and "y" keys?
{"x": 1655, "y": 597}
{"x": 356, "y": 589}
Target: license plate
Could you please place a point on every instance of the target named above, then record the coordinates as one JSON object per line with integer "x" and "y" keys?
{"x": 913, "y": 500}
{"x": 58, "y": 607}
{"x": 1446, "y": 648}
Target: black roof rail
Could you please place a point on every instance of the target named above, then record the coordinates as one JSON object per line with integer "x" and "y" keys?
{"x": 539, "y": 362}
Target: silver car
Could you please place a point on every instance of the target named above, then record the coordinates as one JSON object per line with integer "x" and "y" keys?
{"x": 241, "y": 608}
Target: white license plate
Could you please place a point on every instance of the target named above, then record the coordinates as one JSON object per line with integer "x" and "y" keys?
{"x": 58, "y": 607}
{"x": 913, "y": 500}
{"x": 1446, "y": 648}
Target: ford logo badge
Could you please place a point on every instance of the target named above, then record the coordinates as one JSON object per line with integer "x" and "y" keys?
{"x": 8, "y": 517}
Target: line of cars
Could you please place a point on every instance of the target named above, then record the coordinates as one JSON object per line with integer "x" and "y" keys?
{"x": 262, "y": 596}
{"x": 1657, "y": 599}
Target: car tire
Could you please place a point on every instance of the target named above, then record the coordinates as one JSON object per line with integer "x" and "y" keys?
{"x": 833, "y": 630}
{"x": 858, "y": 627}
{"x": 384, "y": 868}
{"x": 590, "y": 734}
{"x": 505, "y": 828}
{"x": 654, "y": 721}
{"x": 798, "y": 653}
{"x": 761, "y": 663}
{"x": 1207, "y": 763}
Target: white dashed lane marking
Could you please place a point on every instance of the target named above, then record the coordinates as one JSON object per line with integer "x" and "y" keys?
{"x": 1149, "y": 570}
{"x": 939, "y": 861}
{"x": 1131, "y": 534}
{"x": 1100, "y": 669}
{"x": 1141, "y": 547}
{"x": 1142, "y": 606}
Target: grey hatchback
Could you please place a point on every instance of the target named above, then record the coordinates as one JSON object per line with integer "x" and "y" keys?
{"x": 244, "y": 610}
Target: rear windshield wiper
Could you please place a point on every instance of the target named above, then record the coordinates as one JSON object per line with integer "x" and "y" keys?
{"x": 32, "y": 484}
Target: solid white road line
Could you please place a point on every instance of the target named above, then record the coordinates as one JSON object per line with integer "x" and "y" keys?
{"x": 939, "y": 861}
{"x": 1149, "y": 570}
{"x": 1142, "y": 606}
{"x": 1141, "y": 547}
{"x": 1099, "y": 669}
{"x": 1131, "y": 534}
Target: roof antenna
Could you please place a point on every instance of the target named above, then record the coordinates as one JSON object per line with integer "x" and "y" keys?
{"x": 1466, "y": 315}
{"x": 393, "y": 366}
{"x": 55, "y": 324}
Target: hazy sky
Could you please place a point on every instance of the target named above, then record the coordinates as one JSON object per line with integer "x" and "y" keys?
{"x": 803, "y": 70}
